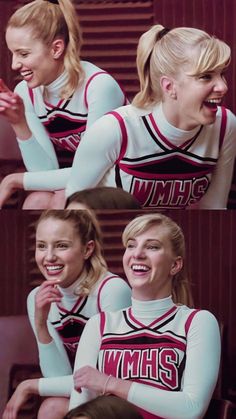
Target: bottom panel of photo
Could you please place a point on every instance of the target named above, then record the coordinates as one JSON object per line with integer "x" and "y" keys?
{"x": 116, "y": 314}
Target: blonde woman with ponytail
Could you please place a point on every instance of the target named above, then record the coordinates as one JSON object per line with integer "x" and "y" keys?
{"x": 174, "y": 146}
{"x": 160, "y": 354}
{"x": 75, "y": 286}
{"x": 59, "y": 97}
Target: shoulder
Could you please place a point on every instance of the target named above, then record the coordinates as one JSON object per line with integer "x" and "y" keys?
{"x": 113, "y": 293}
{"x": 229, "y": 129}
{"x": 202, "y": 320}
{"x": 90, "y": 68}
{"x": 126, "y": 112}
{"x": 230, "y": 117}
{"x": 109, "y": 279}
{"x": 92, "y": 72}
{"x": 96, "y": 77}
{"x": 189, "y": 314}
{"x": 231, "y": 120}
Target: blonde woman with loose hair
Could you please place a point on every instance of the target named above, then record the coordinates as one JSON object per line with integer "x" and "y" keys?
{"x": 181, "y": 292}
{"x": 59, "y": 97}
{"x": 174, "y": 146}
{"x": 159, "y": 354}
{"x": 77, "y": 285}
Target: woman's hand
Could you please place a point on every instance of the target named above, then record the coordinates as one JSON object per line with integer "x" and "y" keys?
{"x": 19, "y": 397}
{"x": 44, "y": 297}
{"x": 91, "y": 378}
{"x": 12, "y": 107}
{"x": 9, "y": 185}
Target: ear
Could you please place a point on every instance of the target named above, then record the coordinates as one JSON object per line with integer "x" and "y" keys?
{"x": 57, "y": 48}
{"x": 176, "y": 266}
{"x": 168, "y": 87}
{"x": 88, "y": 249}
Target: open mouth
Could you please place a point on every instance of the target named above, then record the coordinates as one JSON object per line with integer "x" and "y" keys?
{"x": 137, "y": 268}
{"x": 212, "y": 103}
{"x": 54, "y": 269}
{"x": 26, "y": 74}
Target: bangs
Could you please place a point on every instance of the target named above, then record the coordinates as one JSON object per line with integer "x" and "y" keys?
{"x": 213, "y": 55}
{"x": 140, "y": 225}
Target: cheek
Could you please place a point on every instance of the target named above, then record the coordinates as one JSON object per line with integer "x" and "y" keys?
{"x": 38, "y": 257}
{"x": 74, "y": 261}
{"x": 125, "y": 259}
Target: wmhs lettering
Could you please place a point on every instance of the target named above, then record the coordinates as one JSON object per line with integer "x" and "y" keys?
{"x": 169, "y": 192}
{"x": 158, "y": 365}
{"x": 69, "y": 142}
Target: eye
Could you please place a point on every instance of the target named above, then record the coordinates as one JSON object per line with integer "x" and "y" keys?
{"x": 130, "y": 245}
{"x": 62, "y": 245}
{"x": 40, "y": 246}
{"x": 23, "y": 54}
{"x": 153, "y": 247}
{"x": 206, "y": 76}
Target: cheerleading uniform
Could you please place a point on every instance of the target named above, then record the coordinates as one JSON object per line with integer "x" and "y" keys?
{"x": 169, "y": 352}
{"x": 66, "y": 320}
{"x": 161, "y": 165}
{"x": 59, "y": 124}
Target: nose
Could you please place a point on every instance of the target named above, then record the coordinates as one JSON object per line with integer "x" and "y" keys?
{"x": 15, "y": 63}
{"x": 50, "y": 255}
{"x": 221, "y": 85}
{"x": 139, "y": 252}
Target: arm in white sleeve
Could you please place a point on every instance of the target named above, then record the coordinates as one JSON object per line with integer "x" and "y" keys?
{"x": 115, "y": 295}
{"x": 97, "y": 153}
{"x": 217, "y": 195}
{"x": 103, "y": 95}
{"x": 51, "y": 180}
{"x": 87, "y": 354}
{"x": 53, "y": 358}
{"x": 200, "y": 376}
{"x": 37, "y": 152}
{"x": 56, "y": 386}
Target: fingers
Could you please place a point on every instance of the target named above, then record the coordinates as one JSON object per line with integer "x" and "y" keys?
{"x": 7, "y": 101}
{"x": 89, "y": 377}
{"x": 48, "y": 293}
{"x": 9, "y": 413}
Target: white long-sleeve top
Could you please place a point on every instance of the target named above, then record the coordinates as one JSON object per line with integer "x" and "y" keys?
{"x": 67, "y": 320}
{"x": 60, "y": 124}
{"x": 163, "y": 166}
{"x": 171, "y": 353}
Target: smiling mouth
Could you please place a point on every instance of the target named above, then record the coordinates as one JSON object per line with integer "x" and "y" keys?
{"x": 26, "y": 74}
{"x": 54, "y": 268}
{"x": 139, "y": 268}
{"x": 212, "y": 103}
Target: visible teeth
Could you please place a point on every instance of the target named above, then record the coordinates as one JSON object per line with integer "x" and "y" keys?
{"x": 26, "y": 73}
{"x": 54, "y": 267}
{"x": 139, "y": 268}
{"x": 213, "y": 100}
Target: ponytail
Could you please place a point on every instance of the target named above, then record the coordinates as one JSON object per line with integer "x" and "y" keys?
{"x": 72, "y": 61}
{"x": 147, "y": 42}
{"x": 49, "y": 20}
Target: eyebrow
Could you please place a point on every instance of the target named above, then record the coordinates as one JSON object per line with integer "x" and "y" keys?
{"x": 57, "y": 241}
{"x": 148, "y": 240}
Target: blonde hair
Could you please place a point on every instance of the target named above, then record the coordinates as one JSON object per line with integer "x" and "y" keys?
{"x": 87, "y": 227}
{"x": 49, "y": 21}
{"x": 162, "y": 52}
{"x": 180, "y": 286}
